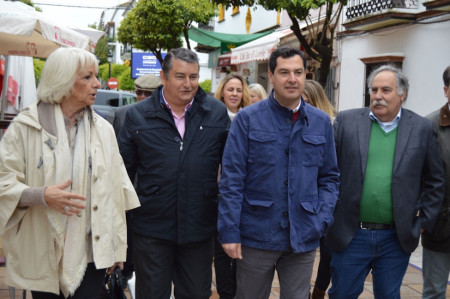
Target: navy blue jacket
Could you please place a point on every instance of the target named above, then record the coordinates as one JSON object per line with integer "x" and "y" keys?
{"x": 177, "y": 179}
{"x": 280, "y": 178}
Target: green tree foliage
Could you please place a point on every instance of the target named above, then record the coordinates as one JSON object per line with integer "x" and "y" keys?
{"x": 38, "y": 64}
{"x": 319, "y": 45}
{"x": 157, "y": 25}
{"x": 117, "y": 71}
{"x": 101, "y": 49}
{"x": 30, "y": 3}
{"x": 125, "y": 80}
{"x": 206, "y": 85}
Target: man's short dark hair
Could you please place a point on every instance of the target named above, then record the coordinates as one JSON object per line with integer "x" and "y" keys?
{"x": 446, "y": 76}
{"x": 180, "y": 54}
{"x": 284, "y": 52}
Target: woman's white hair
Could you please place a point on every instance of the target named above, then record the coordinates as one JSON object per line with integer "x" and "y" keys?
{"x": 60, "y": 71}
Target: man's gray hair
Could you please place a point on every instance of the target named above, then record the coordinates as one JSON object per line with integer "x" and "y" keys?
{"x": 183, "y": 54}
{"x": 400, "y": 79}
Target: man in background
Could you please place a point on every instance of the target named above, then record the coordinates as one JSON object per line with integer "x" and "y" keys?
{"x": 436, "y": 243}
{"x": 144, "y": 87}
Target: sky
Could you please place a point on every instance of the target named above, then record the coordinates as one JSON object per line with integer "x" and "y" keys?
{"x": 78, "y": 13}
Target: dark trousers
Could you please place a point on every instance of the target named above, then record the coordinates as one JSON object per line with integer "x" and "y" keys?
{"x": 160, "y": 263}
{"x": 324, "y": 272}
{"x": 225, "y": 268}
{"x": 128, "y": 266}
{"x": 91, "y": 286}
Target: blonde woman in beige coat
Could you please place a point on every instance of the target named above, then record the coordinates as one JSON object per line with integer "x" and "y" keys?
{"x": 63, "y": 187}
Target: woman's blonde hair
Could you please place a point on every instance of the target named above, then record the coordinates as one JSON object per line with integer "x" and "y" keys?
{"x": 259, "y": 90}
{"x": 60, "y": 71}
{"x": 245, "y": 90}
{"x": 317, "y": 98}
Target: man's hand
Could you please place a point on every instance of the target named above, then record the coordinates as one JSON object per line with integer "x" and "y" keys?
{"x": 111, "y": 269}
{"x": 56, "y": 197}
{"x": 233, "y": 250}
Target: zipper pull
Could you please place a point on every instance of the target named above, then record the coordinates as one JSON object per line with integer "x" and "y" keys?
{"x": 181, "y": 145}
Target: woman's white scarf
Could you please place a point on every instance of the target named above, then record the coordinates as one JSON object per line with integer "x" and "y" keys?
{"x": 71, "y": 231}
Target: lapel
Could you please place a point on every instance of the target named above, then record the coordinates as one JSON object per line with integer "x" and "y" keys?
{"x": 404, "y": 130}
{"x": 364, "y": 124}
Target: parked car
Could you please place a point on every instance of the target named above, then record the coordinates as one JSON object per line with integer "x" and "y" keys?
{"x": 107, "y": 101}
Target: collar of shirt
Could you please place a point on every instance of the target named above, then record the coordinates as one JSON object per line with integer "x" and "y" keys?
{"x": 296, "y": 108}
{"x": 387, "y": 126}
{"x": 186, "y": 108}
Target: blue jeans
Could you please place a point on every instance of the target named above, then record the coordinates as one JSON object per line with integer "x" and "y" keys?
{"x": 376, "y": 250}
{"x": 436, "y": 268}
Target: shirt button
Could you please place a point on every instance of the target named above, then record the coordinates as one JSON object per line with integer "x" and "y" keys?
{"x": 97, "y": 237}
{"x": 288, "y": 121}
{"x": 287, "y": 152}
{"x": 285, "y": 214}
{"x": 286, "y": 182}
{"x": 95, "y": 208}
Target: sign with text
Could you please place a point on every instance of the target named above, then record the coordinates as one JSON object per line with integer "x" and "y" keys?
{"x": 144, "y": 63}
{"x": 112, "y": 83}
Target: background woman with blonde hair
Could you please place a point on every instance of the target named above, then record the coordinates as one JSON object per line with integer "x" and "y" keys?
{"x": 315, "y": 96}
{"x": 233, "y": 91}
{"x": 257, "y": 92}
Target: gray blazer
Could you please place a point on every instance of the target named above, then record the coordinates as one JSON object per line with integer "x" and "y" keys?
{"x": 417, "y": 181}
{"x": 119, "y": 118}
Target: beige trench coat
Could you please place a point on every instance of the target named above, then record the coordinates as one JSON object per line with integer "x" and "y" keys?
{"x": 28, "y": 238}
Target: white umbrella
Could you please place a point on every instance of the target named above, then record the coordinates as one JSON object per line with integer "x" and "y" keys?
{"x": 26, "y": 32}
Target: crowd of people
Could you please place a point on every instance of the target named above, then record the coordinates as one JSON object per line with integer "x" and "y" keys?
{"x": 248, "y": 181}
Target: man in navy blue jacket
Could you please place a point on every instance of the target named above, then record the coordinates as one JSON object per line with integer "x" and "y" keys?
{"x": 279, "y": 185}
{"x": 173, "y": 143}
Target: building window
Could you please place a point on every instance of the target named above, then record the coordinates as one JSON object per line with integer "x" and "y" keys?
{"x": 373, "y": 63}
{"x": 221, "y": 13}
{"x": 235, "y": 10}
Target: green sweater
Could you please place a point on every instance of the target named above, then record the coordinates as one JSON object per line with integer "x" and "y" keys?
{"x": 376, "y": 200}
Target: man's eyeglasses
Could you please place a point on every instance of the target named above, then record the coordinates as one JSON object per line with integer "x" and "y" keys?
{"x": 146, "y": 93}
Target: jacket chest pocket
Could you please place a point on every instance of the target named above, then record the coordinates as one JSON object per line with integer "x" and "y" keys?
{"x": 261, "y": 147}
{"x": 313, "y": 149}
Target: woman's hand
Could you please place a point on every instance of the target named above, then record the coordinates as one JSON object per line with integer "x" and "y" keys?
{"x": 111, "y": 269}
{"x": 56, "y": 197}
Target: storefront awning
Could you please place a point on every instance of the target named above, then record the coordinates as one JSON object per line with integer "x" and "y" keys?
{"x": 224, "y": 41}
{"x": 259, "y": 49}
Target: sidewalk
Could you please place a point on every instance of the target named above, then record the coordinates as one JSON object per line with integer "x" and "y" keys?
{"x": 411, "y": 288}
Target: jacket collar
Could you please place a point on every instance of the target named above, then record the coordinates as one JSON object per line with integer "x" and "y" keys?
{"x": 444, "y": 116}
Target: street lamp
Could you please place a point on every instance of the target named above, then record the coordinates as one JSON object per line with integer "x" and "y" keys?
{"x": 109, "y": 57}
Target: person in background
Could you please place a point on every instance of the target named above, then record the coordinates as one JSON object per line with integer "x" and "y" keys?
{"x": 234, "y": 93}
{"x": 279, "y": 185}
{"x": 173, "y": 143}
{"x": 64, "y": 189}
{"x": 436, "y": 243}
{"x": 257, "y": 92}
{"x": 392, "y": 187}
{"x": 315, "y": 95}
{"x": 144, "y": 87}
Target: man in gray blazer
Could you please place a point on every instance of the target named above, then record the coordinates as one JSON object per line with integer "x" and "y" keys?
{"x": 144, "y": 87}
{"x": 392, "y": 187}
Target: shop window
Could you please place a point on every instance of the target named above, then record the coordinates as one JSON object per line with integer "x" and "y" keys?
{"x": 373, "y": 63}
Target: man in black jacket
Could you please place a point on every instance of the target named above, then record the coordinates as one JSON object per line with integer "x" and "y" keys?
{"x": 173, "y": 142}
{"x": 436, "y": 244}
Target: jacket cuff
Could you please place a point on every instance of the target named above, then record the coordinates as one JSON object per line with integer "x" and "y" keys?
{"x": 33, "y": 196}
{"x": 229, "y": 237}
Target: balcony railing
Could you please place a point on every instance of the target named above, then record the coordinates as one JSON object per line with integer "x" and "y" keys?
{"x": 359, "y": 8}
